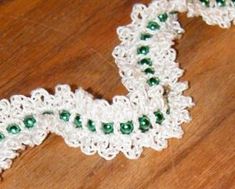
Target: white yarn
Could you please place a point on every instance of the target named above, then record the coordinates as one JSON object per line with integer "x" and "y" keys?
{"x": 213, "y": 15}
{"x": 140, "y": 100}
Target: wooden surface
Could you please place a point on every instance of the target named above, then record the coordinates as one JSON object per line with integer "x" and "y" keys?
{"x": 43, "y": 43}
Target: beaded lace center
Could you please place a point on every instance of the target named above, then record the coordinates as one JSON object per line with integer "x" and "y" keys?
{"x": 151, "y": 112}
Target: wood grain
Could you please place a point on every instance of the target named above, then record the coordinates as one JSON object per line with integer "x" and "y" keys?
{"x": 43, "y": 43}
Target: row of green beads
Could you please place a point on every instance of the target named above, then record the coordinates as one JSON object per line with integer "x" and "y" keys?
{"x": 153, "y": 80}
{"x": 220, "y": 3}
{"x": 106, "y": 127}
{"x": 65, "y": 116}
{"x": 147, "y": 61}
{"x": 144, "y": 50}
{"x": 125, "y": 128}
{"x": 152, "y": 25}
{"x": 29, "y": 122}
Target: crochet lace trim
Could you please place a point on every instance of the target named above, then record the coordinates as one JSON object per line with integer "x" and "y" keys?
{"x": 151, "y": 112}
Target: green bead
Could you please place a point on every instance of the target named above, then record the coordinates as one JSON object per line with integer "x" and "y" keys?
{"x": 29, "y": 122}
{"x": 145, "y": 36}
{"x": 153, "y": 25}
{"x": 149, "y": 71}
{"x": 145, "y": 124}
{"x": 2, "y": 136}
{"x": 159, "y": 117}
{"x": 205, "y": 3}
{"x": 78, "y": 121}
{"x": 65, "y": 115}
{"x": 143, "y": 50}
{"x": 91, "y": 125}
{"x": 146, "y": 61}
{"x": 221, "y": 3}
{"x": 107, "y": 127}
{"x": 13, "y": 129}
{"x": 153, "y": 81}
{"x": 127, "y": 128}
{"x": 163, "y": 17}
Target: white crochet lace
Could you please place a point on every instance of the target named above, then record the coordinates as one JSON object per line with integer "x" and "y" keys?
{"x": 142, "y": 99}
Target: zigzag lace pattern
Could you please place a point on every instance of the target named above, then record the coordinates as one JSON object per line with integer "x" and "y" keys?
{"x": 148, "y": 68}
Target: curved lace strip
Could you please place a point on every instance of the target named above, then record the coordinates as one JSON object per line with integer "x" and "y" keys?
{"x": 213, "y": 12}
{"x": 152, "y": 111}
{"x": 218, "y": 12}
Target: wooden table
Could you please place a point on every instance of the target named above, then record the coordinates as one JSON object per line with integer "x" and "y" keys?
{"x": 43, "y": 43}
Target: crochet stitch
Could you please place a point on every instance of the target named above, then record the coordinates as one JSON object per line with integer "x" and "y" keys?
{"x": 151, "y": 112}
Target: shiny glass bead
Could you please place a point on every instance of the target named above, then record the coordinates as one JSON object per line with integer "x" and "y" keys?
{"x": 221, "y": 3}
{"x": 29, "y": 122}
{"x": 145, "y": 36}
{"x": 149, "y": 71}
{"x": 163, "y": 17}
{"x": 153, "y": 81}
{"x": 143, "y": 50}
{"x": 65, "y": 115}
{"x": 146, "y": 61}
{"x": 78, "y": 121}
{"x": 91, "y": 125}
{"x": 153, "y": 25}
{"x": 13, "y": 129}
{"x": 159, "y": 117}
{"x": 126, "y": 128}
{"x": 107, "y": 127}
{"x": 205, "y": 3}
{"x": 2, "y": 136}
{"x": 145, "y": 124}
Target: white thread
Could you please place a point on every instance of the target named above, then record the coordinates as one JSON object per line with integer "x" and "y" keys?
{"x": 140, "y": 100}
